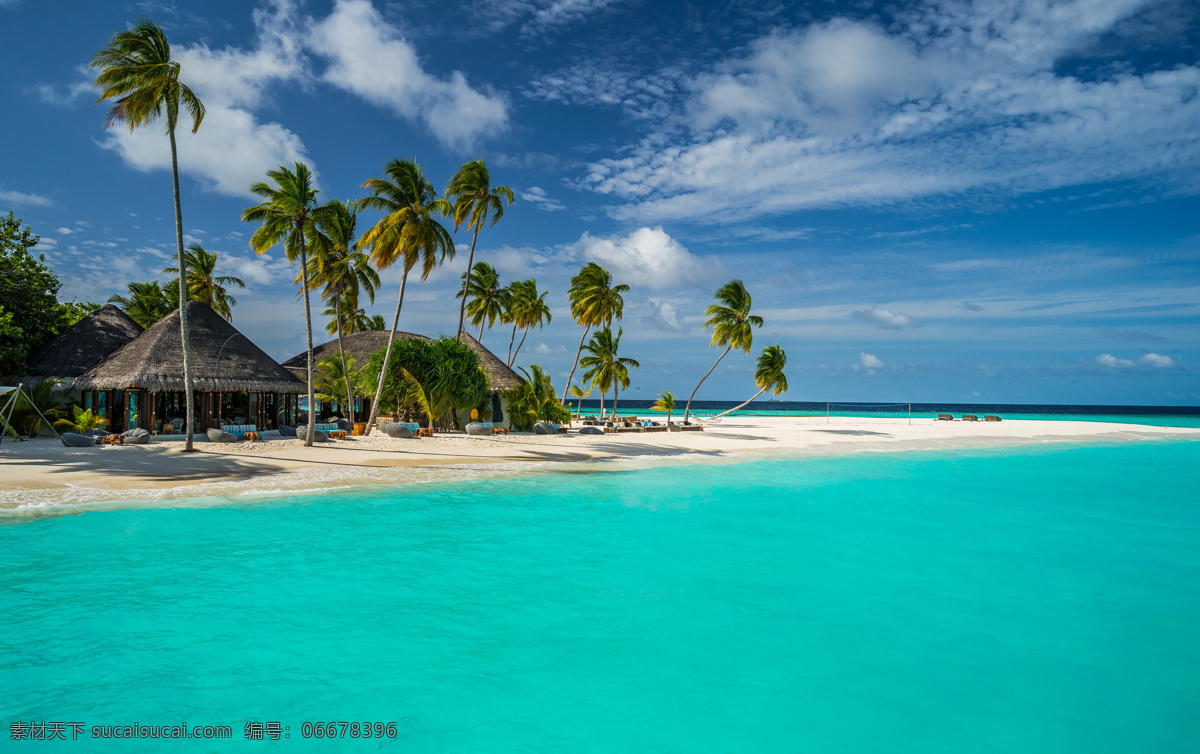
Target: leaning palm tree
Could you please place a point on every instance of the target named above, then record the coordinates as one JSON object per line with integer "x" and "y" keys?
{"x": 489, "y": 301}
{"x": 408, "y": 232}
{"x": 606, "y": 368}
{"x": 578, "y": 393}
{"x": 200, "y": 266}
{"x": 136, "y": 70}
{"x": 768, "y": 375}
{"x": 731, "y": 322}
{"x": 343, "y": 270}
{"x": 529, "y": 309}
{"x": 289, "y": 215}
{"x": 665, "y": 402}
{"x": 474, "y": 199}
{"x": 595, "y": 302}
{"x": 146, "y": 303}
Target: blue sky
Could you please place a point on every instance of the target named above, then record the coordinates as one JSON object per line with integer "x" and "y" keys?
{"x": 990, "y": 201}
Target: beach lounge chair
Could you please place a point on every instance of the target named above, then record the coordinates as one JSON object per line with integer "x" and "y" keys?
{"x": 689, "y": 427}
{"x": 630, "y": 427}
{"x": 137, "y": 436}
{"x": 216, "y": 435}
{"x": 945, "y": 417}
{"x": 240, "y": 430}
{"x": 991, "y": 418}
{"x": 970, "y": 418}
{"x": 72, "y": 440}
{"x": 654, "y": 426}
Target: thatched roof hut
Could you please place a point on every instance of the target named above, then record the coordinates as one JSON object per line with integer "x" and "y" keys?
{"x": 222, "y": 359}
{"x": 83, "y": 345}
{"x": 361, "y": 345}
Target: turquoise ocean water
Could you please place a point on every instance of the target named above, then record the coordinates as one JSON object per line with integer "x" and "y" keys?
{"x": 1035, "y": 599}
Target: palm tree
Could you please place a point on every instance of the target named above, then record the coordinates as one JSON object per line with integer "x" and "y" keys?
{"x": 665, "y": 402}
{"x": 731, "y": 322}
{"x": 578, "y": 393}
{"x": 83, "y": 421}
{"x": 146, "y": 303}
{"x": 407, "y": 232}
{"x": 288, "y": 213}
{"x": 374, "y": 322}
{"x": 335, "y": 379}
{"x": 343, "y": 270}
{"x": 605, "y": 368}
{"x": 595, "y": 301}
{"x": 767, "y": 375}
{"x": 527, "y": 308}
{"x": 474, "y": 199}
{"x": 199, "y": 265}
{"x": 137, "y": 71}
{"x": 489, "y": 301}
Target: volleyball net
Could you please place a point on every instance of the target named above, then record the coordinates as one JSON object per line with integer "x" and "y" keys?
{"x": 883, "y": 410}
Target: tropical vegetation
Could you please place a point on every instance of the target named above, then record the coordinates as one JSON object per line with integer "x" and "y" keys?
{"x": 146, "y": 303}
{"x": 665, "y": 402}
{"x": 139, "y": 75}
{"x": 578, "y": 393}
{"x": 82, "y": 421}
{"x": 203, "y": 284}
{"x": 768, "y": 375}
{"x": 474, "y": 201}
{"x": 534, "y": 400}
{"x": 525, "y": 308}
{"x": 732, "y": 325}
{"x": 37, "y": 405}
{"x": 595, "y": 302}
{"x": 488, "y": 301}
{"x": 605, "y": 367}
{"x": 446, "y": 371}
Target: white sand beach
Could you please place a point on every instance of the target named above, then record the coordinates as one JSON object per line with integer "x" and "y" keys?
{"x": 40, "y": 473}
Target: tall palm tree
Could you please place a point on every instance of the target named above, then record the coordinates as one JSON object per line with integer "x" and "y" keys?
{"x": 595, "y": 302}
{"x": 731, "y": 321}
{"x": 200, "y": 266}
{"x": 528, "y": 309}
{"x": 343, "y": 270}
{"x": 768, "y": 374}
{"x": 146, "y": 303}
{"x": 578, "y": 394}
{"x": 470, "y": 190}
{"x": 289, "y": 215}
{"x": 136, "y": 70}
{"x": 489, "y": 301}
{"x": 606, "y": 368}
{"x": 408, "y": 232}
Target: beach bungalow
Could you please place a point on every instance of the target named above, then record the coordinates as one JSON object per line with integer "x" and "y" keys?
{"x": 361, "y": 345}
{"x": 141, "y": 384}
{"x": 82, "y": 346}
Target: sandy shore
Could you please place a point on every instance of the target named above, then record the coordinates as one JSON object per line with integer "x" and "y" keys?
{"x": 42, "y": 473}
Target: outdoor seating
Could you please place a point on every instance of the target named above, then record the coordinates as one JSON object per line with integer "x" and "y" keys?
{"x": 945, "y": 418}
{"x": 970, "y": 418}
{"x": 216, "y": 435}
{"x": 176, "y": 426}
{"x": 72, "y": 440}
{"x": 397, "y": 430}
{"x": 991, "y": 418}
{"x": 479, "y": 429}
{"x": 137, "y": 437}
{"x": 590, "y": 430}
{"x": 286, "y": 431}
{"x": 238, "y": 429}
{"x": 545, "y": 428}
{"x": 319, "y": 435}
{"x": 97, "y": 433}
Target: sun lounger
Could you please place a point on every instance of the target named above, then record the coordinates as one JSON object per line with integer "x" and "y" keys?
{"x": 945, "y": 417}
{"x": 689, "y": 427}
{"x": 970, "y": 418}
{"x": 991, "y": 418}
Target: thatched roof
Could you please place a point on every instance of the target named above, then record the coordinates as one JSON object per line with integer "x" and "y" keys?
{"x": 219, "y": 360}
{"x": 84, "y": 344}
{"x": 361, "y": 345}
{"x": 499, "y": 374}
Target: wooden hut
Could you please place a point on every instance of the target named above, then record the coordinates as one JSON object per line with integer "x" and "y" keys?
{"x": 83, "y": 345}
{"x": 233, "y": 380}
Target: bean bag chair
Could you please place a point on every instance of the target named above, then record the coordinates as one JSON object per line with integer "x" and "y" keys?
{"x": 72, "y": 440}
{"x": 97, "y": 433}
{"x": 286, "y": 431}
{"x": 478, "y": 429}
{"x": 343, "y": 425}
{"x": 137, "y": 437}
{"x": 396, "y": 430}
{"x": 216, "y": 435}
{"x": 590, "y": 431}
{"x": 545, "y": 428}
{"x": 318, "y": 435}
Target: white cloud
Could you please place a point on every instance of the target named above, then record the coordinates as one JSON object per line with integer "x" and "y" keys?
{"x": 66, "y": 231}
{"x": 868, "y": 361}
{"x": 17, "y": 197}
{"x": 647, "y": 256}
{"x": 664, "y": 315}
{"x": 544, "y": 349}
{"x": 1158, "y": 361}
{"x": 1108, "y": 360}
{"x": 883, "y": 318}
{"x": 958, "y": 97}
{"x": 538, "y": 197}
{"x": 49, "y": 243}
{"x": 50, "y": 94}
{"x": 370, "y": 58}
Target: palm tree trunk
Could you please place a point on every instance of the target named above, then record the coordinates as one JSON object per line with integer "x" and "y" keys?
{"x": 387, "y": 355}
{"x": 514, "y": 356}
{"x": 576, "y": 364}
{"x": 743, "y": 405}
{"x": 616, "y": 394}
{"x": 462, "y": 308}
{"x": 687, "y": 411}
{"x": 480, "y": 336}
{"x": 312, "y": 409}
{"x": 601, "y": 405}
{"x": 510, "y": 343}
{"x": 337, "y": 317}
{"x": 183, "y": 321}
